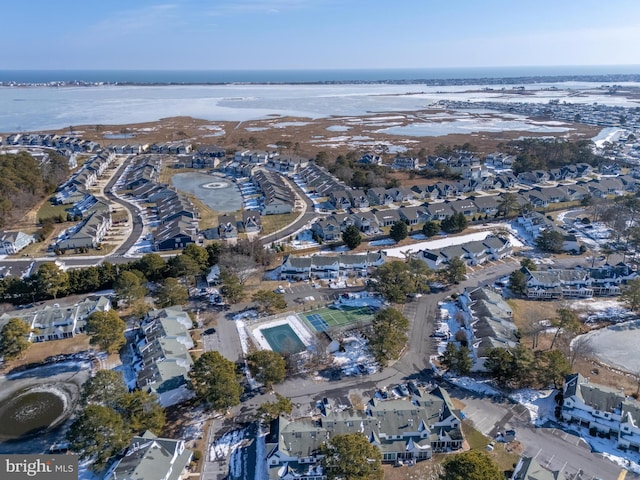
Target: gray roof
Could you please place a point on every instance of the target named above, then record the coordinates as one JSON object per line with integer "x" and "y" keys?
{"x": 529, "y": 469}
{"x": 150, "y": 458}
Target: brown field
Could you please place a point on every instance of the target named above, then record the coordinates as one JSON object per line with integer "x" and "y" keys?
{"x": 525, "y": 311}
{"x": 307, "y": 139}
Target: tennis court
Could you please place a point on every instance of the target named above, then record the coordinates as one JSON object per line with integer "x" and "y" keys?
{"x": 325, "y": 318}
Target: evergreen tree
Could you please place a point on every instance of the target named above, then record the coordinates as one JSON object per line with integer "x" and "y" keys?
{"x": 388, "y": 335}
{"x": 351, "y": 457}
{"x": 14, "y": 339}
{"x": 351, "y": 237}
{"x": 215, "y": 382}
{"x": 399, "y": 231}
{"x": 106, "y": 330}
{"x": 430, "y": 228}
{"x": 471, "y": 465}
{"x": 268, "y": 367}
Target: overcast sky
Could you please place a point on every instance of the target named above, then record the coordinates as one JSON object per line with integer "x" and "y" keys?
{"x": 316, "y": 34}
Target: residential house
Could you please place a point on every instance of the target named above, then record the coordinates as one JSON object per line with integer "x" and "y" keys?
{"x": 604, "y": 410}
{"x": 251, "y": 221}
{"x": 12, "y": 242}
{"x": 405, "y": 430}
{"x": 405, "y": 163}
{"x": 527, "y": 178}
{"x": 400, "y": 194}
{"x": 340, "y": 199}
{"x": 439, "y": 211}
{"x": 174, "y": 235}
{"x": 327, "y": 228}
{"x": 488, "y": 323}
{"x": 583, "y": 169}
{"x": 536, "y": 198}
{"x": 505, "y": 180}
{"x": 528, "y": 468}
{"x": 446, "y": 190}
{"x": 467, "y": 207}
{"x": 558, "y": 283}
{"x": 358, "y": 198}
{"x": 574, "y": 192}
{"x": 366, "y": 222}
{"x": 90, "y": 232}
{"x": 151, "y": 457}
{"x": 553, "y": 194}
{"x": 370, "y": 159}
{"x": 413, "y": 215}
{"x": 386, "y": 218}
{"x": 379, "y": 196}
{"x": 609, "y": 169}
{"x": 486, "y": 205}
{"x": 278, "y": 196}
{"x": 161, "y": 355}
{"x": 472, "y": 253}
{"x": 55, "y": 322}
{"x": 534, "y": 223}
{"x": 227, "y": 227}
{"x": 607, "y": 280}
{"x": 330, "y": 266}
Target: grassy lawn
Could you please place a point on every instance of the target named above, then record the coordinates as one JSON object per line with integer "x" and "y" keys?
{"x": 38, "y": 352}
{"x": 208, "y": 217}
{"x": 47, "y": 210}
{"x": 273, "y": 223}
{"x": 477, "y": 441}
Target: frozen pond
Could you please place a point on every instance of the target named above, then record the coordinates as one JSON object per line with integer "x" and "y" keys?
{"x": 43, "y": 108}
{"x": 617, "y": 345}
{"x": 218, "y": 193}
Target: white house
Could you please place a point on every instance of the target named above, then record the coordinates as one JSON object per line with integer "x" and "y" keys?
{"x": 13, "y": 242}
{"x": 603, "y": 410}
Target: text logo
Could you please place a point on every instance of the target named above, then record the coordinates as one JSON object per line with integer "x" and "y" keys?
{"x": 45, "y": 467}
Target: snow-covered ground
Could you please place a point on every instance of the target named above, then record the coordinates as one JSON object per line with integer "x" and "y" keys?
{"x": 627, "y": 459}
{"x": 445, "y": 241}
{"x": 360, "y": 299}
{"x": 227, "y": 444}
{"x": 602, "y": 309}
{"x": 356, "y": 352}
{"x": 540, "y": 403}
{"x": 384, "y": 241}
{"x": 473, "y": 385}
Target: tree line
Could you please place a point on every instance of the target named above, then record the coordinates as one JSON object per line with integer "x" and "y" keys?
{"x": 236, "y": 262}
{"x": 24, "y": 181}
{"x": 545, "y": 154}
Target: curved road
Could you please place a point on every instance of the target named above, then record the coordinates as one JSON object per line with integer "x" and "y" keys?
{"x": 308, "y": 215}
{"x": 551, "y": 447}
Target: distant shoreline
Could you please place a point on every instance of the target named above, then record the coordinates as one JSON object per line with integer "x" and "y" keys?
{"x": 427, "y": 82}
{"x": 427, "y": 77}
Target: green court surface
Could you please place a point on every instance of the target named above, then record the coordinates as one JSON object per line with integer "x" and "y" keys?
{"x": 325, "y": 318}
{"x": 283, "y": 339}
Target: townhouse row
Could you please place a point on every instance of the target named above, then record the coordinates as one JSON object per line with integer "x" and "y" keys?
{"x": 405, "y": 430}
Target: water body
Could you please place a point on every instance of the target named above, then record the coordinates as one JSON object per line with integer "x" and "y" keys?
{"x": 304, "y": 76}
{"x": 36, "y": 405}
{"x": 218, "y": 193}
{"x": 617, "y": 345}
{"x": 30, "y": 412}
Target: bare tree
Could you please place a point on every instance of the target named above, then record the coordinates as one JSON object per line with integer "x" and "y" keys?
{"x": 580, "y": 348}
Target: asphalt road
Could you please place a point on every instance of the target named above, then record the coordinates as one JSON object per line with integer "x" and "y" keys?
{"x": 308, "y": 216}
{"x": 136, "y": 219}
{"x": 551, "y": 447}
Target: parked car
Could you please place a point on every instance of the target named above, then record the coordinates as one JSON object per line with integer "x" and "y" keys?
{"x": 404, "y": 391}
